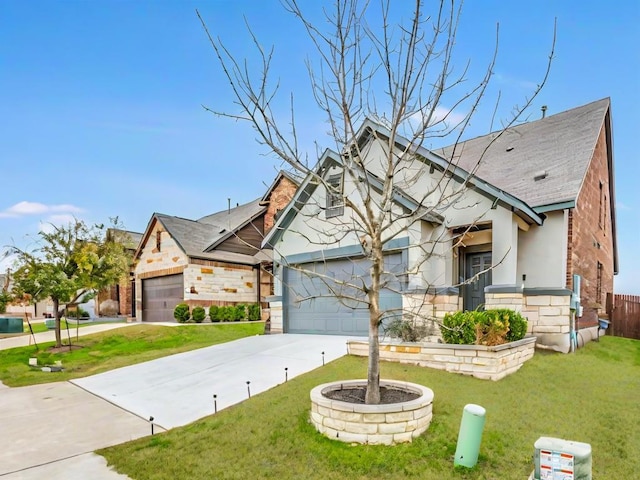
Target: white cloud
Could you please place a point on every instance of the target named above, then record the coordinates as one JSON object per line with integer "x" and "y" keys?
{"x": 448, "y": 117}
{"x": 512, "y": 81}
{"x": 6, "y": 262}
{"x": 25, "y": 208}
{"x": 61, "y": 220}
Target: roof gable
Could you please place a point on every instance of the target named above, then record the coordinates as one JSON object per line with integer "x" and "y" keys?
{"x": 291, "y": 176}
{"x": 199, "y": 238}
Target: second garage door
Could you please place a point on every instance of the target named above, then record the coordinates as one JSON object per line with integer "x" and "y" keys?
{"x": 160, "y": 296}
{"x": 316, "y": 302}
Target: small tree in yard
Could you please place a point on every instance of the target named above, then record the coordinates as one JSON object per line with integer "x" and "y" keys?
{"x": 400, "y": 76}
{"x": 69, "y": 263}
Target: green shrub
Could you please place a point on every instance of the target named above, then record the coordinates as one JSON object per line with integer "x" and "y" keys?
{"x": 181, "y": 313}
{"x": 228, "y": 313}
{"x": 517, "y": 324}
{"x": 215, "y": 314}
{"x": 489, "y": 327}
{"x": 460, "y": 328}
{"x": 255, "y": 312}
{"x": 79, "y": 313}
{"x": 239, "y": 312}
{"x": 198, "y": 314}
{"x": 406, "y": 330}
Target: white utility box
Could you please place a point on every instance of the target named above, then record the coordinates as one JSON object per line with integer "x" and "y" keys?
{"x": 557, "y": 459}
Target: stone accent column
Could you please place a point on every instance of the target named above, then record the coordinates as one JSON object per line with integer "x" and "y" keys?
{"x": 512, "y": 301}
{"x": 548, "y": 313}
{"x": 430, "y": 306}
{"x": 275, "y": 308}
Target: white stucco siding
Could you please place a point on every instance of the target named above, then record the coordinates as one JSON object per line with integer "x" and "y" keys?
{"x": 542, "y": 253}
{"x": 430, "y": 259}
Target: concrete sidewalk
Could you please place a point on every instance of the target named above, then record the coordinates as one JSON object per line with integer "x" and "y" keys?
{"x": 50, "y": 336}
{"x": 43, "y": 424}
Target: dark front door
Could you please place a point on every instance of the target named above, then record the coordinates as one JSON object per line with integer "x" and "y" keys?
{"x": 474, "y": 290}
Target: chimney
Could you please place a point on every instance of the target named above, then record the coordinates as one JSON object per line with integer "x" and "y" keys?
{"x": 544, "y": 110}
{"x": 228, "y": 205}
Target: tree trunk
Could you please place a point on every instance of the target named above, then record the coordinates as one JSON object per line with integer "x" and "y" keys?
{"x": 56, "y": 305}
{"x": 373, "y": 368}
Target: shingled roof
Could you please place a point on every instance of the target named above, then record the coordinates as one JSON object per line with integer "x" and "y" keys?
{"x": 198, "y": 238}
{"x": 558, "y": 148}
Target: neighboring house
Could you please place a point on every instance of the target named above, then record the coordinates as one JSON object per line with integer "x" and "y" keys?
{"x": 38, "y": 310}
{"x": 540, "y": 208}
{"x": 119, "y": 299}
{"x": 215, "y": 260}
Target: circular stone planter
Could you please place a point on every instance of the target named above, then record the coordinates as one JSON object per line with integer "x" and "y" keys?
{"x": 383, "y": 424}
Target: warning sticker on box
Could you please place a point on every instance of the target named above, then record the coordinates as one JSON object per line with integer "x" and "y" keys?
{"x": 556, "y": 465}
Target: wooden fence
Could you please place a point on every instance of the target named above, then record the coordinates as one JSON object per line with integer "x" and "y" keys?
{"x": 624, "y": 314}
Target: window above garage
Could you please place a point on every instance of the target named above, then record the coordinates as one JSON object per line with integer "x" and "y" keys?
{"x": 335, "y": 199}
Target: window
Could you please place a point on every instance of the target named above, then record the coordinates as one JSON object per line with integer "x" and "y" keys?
{"x": 603, "y": 200}
{"x": 599, "y": 283}
{"x": 158, "y": 239}
{"x": 335, "y": 202}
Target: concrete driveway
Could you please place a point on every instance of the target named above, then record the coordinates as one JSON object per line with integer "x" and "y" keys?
{"x": 49, "y": 431}
{"x": 179, "y": 389}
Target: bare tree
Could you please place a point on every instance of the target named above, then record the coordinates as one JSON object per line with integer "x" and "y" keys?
{"x": 366, "y": 68}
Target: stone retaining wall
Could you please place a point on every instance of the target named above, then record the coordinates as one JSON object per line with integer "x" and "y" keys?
{"x": 371, "y": 424}
{"x": 487, "y": 363}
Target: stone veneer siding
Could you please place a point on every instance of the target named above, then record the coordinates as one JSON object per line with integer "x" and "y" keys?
{"x": 275, "y": 316}
{"x": 219, "y": 283}
{"x": 430, "y": 307}
{"x": 545, "y": 313}
{"x": 384, "y": 424}
{"x": 479, "y": 361}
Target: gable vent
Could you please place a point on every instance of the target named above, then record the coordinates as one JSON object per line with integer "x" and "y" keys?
{"x": 540, "y": 175}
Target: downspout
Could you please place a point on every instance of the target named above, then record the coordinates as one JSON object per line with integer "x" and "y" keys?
{"x": 259, "y": 271}
{"x": 576, "y": 311}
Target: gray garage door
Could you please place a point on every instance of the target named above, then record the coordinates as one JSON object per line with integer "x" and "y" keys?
{"x": 160, "y": 296}
{"x": 315, "y": 301}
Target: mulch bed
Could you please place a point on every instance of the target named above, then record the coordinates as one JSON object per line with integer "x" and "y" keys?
{"x": 64, "y": 348}
{"x": 357, "y": 395}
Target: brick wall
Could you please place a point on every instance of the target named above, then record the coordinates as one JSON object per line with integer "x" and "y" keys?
{"x": 279, "y": 198}
{"x": 591, "y": 235}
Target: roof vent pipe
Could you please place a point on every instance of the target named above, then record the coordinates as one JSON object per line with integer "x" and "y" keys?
{"x": 540, "y": 175}
{"x": 228, "y": 205}
{"x": 544, "y": 111}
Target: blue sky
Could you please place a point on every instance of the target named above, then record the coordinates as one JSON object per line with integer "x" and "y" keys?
{"x": 101, "y": 102}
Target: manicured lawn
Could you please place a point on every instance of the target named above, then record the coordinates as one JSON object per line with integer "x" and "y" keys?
{"x": 116, "y": 348}
{"x": 590, "y": 396}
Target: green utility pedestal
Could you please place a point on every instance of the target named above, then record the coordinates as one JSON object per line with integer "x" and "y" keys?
{"x": 11, "y": 325}
{"x": 470, "y": 436}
